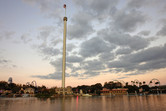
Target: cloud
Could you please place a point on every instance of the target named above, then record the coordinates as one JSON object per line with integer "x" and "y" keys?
{"x": 90, "y": 68}
{"x": 93, "y": 65}
{"x": 57, "y": 76}
{"x": 55, "y": 42}
{"x": 122, "y": 51}
{"x": 81, "y": 26}
{"x": 45, "y": 32}
{"x": 70, "y": 47}
{"x": 136, "y": 73}
{"x": 74, "y": 59}
{"x": 128, "y": 21}
{"x": 122, "y": 77}
{"x": 153, "y": 65}
{"x": 106, "y": 56}
{"x": 7, "y": 35}
{"x": 91, "y": 73}
{"x": 57, "y": 64}
{"x": 122, "y": 39}
{"x": 122, "y": 66}
{"x": 49, "y": 42}
{"x": 3, "y": 61}
{"x": 162, "y": 32}
{"x": 136, "y": 4}
{"x": 48, "y": 51}
{"x": 94, "y": 46}
{"x": 96, "y": 7}
{"x": 144, "y": 33}
{"x": 145, "y": 60}
{"x": 46, "y": 5}
{"x": 26, "y": 38}
{"x": 149, "y": 54}
{"x": 110, "y": 37}
{"x": 6, "y": 63}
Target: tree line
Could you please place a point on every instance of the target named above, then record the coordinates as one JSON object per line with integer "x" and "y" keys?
{"x": 93, "y": 89}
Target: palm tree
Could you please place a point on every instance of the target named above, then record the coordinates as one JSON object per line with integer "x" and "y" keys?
{"x": 140, "y": 84}
{"x": 132, "y": 82}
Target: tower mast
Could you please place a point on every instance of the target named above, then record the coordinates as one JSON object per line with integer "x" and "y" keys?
{"x": 64, "y": 51}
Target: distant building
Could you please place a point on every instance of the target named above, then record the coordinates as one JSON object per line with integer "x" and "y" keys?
{"x": 119, "y": 91}
{"x": 68, "y": 90}
{"x": 105, "y": 92}
{"x": 29, "y": 90}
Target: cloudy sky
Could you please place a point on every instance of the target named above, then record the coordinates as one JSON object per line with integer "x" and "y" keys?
{"x": 106, "y": 40}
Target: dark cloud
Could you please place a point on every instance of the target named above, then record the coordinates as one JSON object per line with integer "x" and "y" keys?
{"x": 81, "y": 26}
{"x": 3, "y": 61}
{"x": 57, "y": 64}
{"x": 145, "y": 60}
{"x": 122, "y": 66}
{"x": 93, "y": 65}
{"x": 144, "y": 33}
{"x": 125, "y": 40}
{"x": 162, "y": 32}
{"x": 94, "y": 46}
{"x": 128, "y": 21}
{"x": 74, "y": 59}
{"x": 153, "y": 65}
{"x": 91, "y": 73}
{"x": 75, "y": 69}
{"x": 136, "y": 3}
{"x": 147, "y": 55}
{"x": 106, "y": 56}
{"x": 57, "y": 76}
{"x": 97, "y": 7}
{"x": 70, "y": 47}
{"x": 49, "y": 51}
{"x": 123, "y": 51}
{"x": 76, "y": 74}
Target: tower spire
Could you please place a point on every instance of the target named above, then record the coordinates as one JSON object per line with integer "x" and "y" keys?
{"x": 64, "y": 51}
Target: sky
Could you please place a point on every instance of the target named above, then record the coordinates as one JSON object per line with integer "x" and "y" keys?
{"x": 107, "y": 40}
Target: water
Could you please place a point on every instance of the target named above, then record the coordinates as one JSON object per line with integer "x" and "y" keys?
{"x": 101, "y": 103}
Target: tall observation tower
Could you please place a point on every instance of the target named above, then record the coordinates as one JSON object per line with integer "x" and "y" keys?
{"x": 64, "y": 51}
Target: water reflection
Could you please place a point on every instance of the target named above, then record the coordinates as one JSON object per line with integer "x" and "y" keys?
{"x": 77, "y": 103}
{"x": 118, "y": 103}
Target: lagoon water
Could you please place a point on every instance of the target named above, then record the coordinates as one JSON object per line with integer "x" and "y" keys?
{"x": 98, "y": 103}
